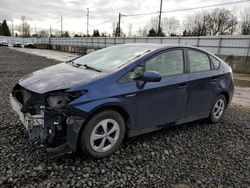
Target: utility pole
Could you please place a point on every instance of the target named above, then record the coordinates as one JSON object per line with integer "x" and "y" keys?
{"x": 35, "y": 30}
{"x": 159, "y": 25}
{"x": 12, "y": 32}
{"x": 61, "y": 25}
{"x": 119, "y": 25}
{"x": 50, "y": 37}
{"x": 87, "y": 22}
{"x": 12, "y": 28}
{"x": 50, "y": 31}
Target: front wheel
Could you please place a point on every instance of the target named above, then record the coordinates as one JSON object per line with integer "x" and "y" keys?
{"x": 218, "y": 109}
{"x": 103, "y": 134}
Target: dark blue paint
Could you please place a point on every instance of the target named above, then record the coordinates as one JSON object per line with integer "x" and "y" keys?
{"x": 171, "y": 100}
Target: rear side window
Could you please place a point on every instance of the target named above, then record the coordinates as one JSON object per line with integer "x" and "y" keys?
{"x": 215, "y": 62}
{"x": 167, "y": 64}
{"x": 198, "y": 61}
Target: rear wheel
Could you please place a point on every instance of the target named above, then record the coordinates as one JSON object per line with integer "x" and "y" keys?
{"x": 103, "y": 134}
{"x": 218, "y": 109}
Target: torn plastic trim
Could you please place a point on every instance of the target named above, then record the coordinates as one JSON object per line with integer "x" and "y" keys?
{"x": 73, "y": 130}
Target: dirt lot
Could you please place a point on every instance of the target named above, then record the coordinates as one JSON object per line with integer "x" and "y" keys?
{"x": 196, "y": 154}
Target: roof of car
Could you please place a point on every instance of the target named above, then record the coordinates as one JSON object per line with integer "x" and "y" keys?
{"x": 155, "y": 46}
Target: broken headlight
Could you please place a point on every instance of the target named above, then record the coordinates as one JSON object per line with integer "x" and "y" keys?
{"x": 59, "y": 100}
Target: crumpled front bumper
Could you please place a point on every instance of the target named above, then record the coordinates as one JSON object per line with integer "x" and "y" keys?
{"x": 47, "y": 126}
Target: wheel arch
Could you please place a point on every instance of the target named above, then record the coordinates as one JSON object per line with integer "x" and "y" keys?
{"x": 226, "y": 95}
{"x": 115, "y": 107}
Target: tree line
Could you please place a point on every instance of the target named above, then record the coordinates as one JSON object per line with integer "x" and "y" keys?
{"x": 218, "y": 21}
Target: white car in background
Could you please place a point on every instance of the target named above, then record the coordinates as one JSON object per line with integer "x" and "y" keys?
{"x": 3, "y": 43}
{"x": 18, "y": 44}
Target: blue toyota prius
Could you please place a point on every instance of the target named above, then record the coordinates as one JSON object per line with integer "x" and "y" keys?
{"x": 92, "y": 102}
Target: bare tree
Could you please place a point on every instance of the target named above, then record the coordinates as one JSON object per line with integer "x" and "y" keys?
{"x": 188, "y": 23}
{"x": 144, "y": 32}
{"x": 222, "y": 22}
{"x": 130, "y": 30}
{"x": 43, "y": 34}
{"x": 170, "y": 25}
{"x": 216, "y": 22}
{"x": 139, "y": 32}
{"x": 245, "y": 22}
{"x": 114, "y": 24}
{"x": 25, "y": 27}
{"x": 153, "y": 23}
{"x": 196, "y": 25}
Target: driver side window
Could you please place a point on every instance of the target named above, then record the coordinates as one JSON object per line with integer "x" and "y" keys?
{"x": 167, "y": 64}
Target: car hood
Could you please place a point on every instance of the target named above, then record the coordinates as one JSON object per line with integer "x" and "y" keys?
{"x": 57, "y": 77}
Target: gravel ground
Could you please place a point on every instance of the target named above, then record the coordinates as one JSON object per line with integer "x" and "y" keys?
{"x": 196, "y": 154}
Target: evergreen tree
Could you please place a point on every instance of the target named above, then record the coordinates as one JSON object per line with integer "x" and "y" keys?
{"x": 96, "y": 33}
{"x": 5, "y": 29}
{"x": 152, "y": 33}
{"x": 66, "y": 34}
{"x": 185, "y": 33}
{"x": 1, "y": 29}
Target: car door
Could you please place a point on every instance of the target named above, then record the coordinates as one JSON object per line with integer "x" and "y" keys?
{"x": 201, "y": 84}
{"x": 159, "y": 103}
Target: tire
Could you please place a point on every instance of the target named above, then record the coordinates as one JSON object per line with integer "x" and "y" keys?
{"x": 97, "y": 143}
{"x": 218, "y": 109}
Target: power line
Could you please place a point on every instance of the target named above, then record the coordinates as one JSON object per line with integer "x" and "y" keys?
{"x": 176, "y": 10}
{"x": 192, "y": 8}
{"x": 208, "y": 6}
{"x": 112, "y": 8}
{"x": 143, "y": 14}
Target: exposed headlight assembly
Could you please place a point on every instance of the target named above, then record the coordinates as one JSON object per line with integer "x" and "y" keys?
{"x": 59, "y": 100}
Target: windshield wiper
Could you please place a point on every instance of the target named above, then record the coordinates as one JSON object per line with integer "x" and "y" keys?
{"x": 72, "y": 63}
{"x": 89, "y": 67}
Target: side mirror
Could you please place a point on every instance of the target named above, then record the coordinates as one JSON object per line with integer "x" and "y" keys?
{"x": 151, "y": 76}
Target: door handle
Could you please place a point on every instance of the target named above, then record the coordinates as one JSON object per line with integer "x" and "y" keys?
{"x": 213, "y": 80}
{"x": 182, "y": 87}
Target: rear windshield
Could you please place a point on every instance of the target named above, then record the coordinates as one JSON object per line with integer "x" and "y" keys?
{"x": 112, "y": 58}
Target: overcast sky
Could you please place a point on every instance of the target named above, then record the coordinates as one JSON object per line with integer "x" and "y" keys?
{"x": 46, "y": 13}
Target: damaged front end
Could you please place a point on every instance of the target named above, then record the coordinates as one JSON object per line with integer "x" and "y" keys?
{"x": 48, "y": 118}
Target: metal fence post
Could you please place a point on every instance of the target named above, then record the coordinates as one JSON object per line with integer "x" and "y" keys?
{"x": 219, "y": 47}
{"x": 248, "y": 50}
{"x": 198, "y": 41}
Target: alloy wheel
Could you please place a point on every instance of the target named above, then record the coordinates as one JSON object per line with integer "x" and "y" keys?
{"x": 104, "y": 135}
{"x": 218, "y": 108}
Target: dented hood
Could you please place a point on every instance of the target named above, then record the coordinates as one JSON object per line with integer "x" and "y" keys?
{"x": 57, "y": 77}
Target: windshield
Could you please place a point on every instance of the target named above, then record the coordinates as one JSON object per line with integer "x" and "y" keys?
{"x": 111, "y": 58}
